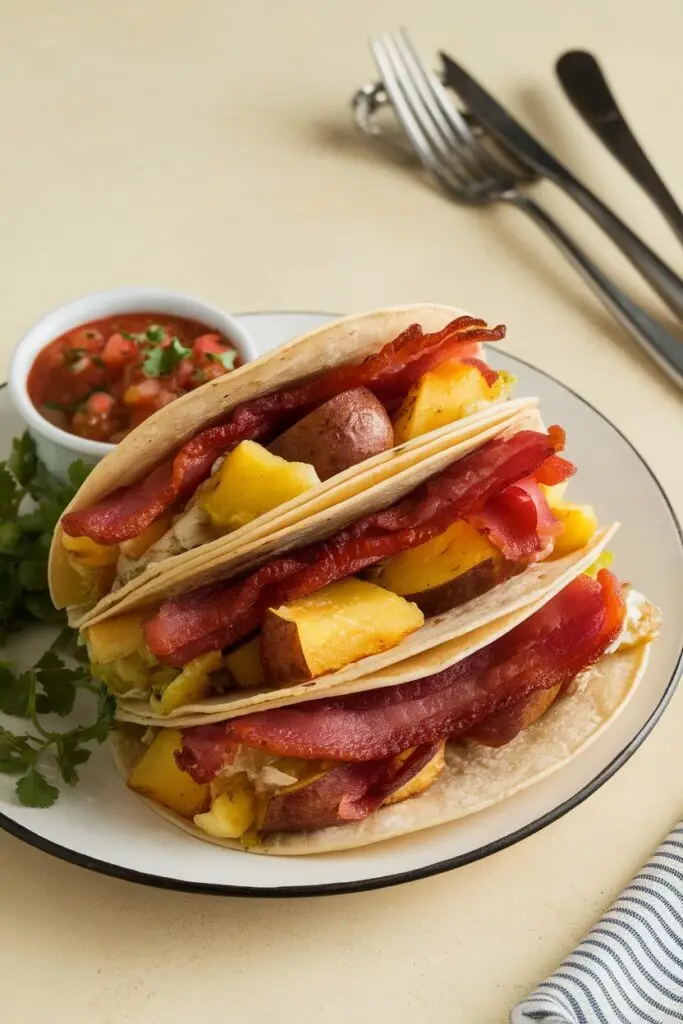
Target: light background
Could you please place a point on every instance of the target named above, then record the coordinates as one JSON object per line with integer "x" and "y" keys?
{"x": 207, "y": 146}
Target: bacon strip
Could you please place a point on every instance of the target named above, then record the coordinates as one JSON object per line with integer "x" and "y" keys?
{"x": 389, "y": 374}
{"x": 211, "y": 618}
{"x": 555, "y": 470}
{"x": 519, "y": 522}
{"x": 556, "y": 643}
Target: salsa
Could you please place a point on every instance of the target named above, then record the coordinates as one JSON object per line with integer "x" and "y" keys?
{"x": 102, "y": 379}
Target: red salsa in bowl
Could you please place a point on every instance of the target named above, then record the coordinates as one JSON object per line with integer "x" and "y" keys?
{"x": 102, "y": 379}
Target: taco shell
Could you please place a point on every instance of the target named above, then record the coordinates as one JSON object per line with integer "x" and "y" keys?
{"x": 348, "y": 340}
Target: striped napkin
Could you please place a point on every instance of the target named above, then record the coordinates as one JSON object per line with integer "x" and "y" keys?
{"x": 629, "y": 968}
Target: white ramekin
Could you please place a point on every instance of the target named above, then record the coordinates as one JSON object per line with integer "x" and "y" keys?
{"x": 57, "y": 448}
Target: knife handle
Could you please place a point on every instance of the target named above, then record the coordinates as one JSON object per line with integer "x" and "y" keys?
{"x": 587, "y": 89}
{"x": 655, "y": 340}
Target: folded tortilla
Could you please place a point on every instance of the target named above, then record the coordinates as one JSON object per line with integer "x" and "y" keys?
{"x": 441, "y": 642}
{"x": 345, "y": 341}
{"x": 475, "y": 777}
{"x": 341, "y": 500}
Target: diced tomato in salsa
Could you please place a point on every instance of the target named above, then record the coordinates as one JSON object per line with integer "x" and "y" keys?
{"x": 102, "y": 379}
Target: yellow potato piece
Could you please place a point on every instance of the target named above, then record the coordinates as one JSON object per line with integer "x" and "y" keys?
{"x": 157, "y": 776}
{"x": 115, "y": 638}
{"x": 452, "y": 553}
{"x": 232, "y": 812}
{"x": 244, "y": 664}
{"x": 335, "y": 626}
{"x": 84, "y": 551}
{"x": 554, "y": 493}
{"x": 443, "y": 395}
{"x": 95, "y": 564}
{"x": 579, "y": 523}
{"x": 192, "y": 684}
{"x": 424, "y": 778}
{"x": 250, "y": 482}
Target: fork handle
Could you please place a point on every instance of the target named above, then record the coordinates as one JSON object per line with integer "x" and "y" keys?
{"x": 663, "y": 347}
{"x": 655, "y": 271}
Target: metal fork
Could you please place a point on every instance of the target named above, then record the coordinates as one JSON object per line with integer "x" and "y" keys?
{"x": 476, "y": 173}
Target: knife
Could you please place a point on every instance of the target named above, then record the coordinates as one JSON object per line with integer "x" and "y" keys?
{"x": 587, "y": 89}
{"x": 514, "y": 137}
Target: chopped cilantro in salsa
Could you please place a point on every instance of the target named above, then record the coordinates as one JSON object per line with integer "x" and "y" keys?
{"x": 103, "y": 379}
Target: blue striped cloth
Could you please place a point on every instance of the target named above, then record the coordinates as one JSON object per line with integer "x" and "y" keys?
{"x": 629, "y": 968}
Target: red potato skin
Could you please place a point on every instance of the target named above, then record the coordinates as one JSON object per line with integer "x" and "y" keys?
{"x": 282, "y": 656}
{"x": 502, "y": 726}
{"x": 345, "y": 431}
{"x": 462, "y": 588}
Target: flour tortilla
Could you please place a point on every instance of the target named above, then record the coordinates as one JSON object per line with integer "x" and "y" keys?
{"x": 340, "y": 501}
{"x": 441, "y": 642}
{"x": 348, "y": 340}
{"x": 354, "y": 499}
{"x": 475, "y": 777}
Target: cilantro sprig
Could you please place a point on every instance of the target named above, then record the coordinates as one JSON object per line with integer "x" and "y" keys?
{"x": 49, "y": 687}
{"x": 162, "y": 360}
{"x": 31, "y": 502}
{"x": 226, "y": 359}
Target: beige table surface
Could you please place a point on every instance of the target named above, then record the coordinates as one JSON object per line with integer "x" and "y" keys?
{"x": 207, "y": 146}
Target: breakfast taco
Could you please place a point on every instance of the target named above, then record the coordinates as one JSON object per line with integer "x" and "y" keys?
{"x": 280, "y": 435}
{"x": 429, "y": 739}
{"x": 347, "y": 584}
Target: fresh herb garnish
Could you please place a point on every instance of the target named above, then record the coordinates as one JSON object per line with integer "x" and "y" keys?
{"x": 31, "y": 502}
{"x": 50, "y": 687}
{"x": 155, "y": 334}
{"x": 161, "y": 361}
{"x": 226, "y": 359}
{"x": 73, "y": 355}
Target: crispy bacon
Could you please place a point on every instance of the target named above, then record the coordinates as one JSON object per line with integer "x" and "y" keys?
{"x": 345, "y": 793}
{"x": 547, "y": 650}
{"x": 389, "y": 374}
{"x": 555, "y": 470}
{"x": 488, "y": 373}
{"x": 217, "y": 616}
{"x": 519, "y": 522}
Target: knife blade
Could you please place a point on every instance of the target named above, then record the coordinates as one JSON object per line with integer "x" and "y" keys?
{"x": 499, "y": 122}
{"x": 503, "y": 127}
{"x": 587, "y": 89}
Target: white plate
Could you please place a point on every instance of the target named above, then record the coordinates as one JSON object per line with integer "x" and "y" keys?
{"x": 102, "y": 826}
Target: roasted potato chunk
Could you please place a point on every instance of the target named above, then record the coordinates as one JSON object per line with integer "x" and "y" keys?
{"x": 426, "y": 777}
{"x": 579, "y": 523}
{"x": 452, "y": 568}
{"x": 157, "y": 776}
{"x": 232, "y": 811}
{"x": 331, "y": 628}
{"x": 190, "y": 685}
{"x": 502, "y": 726}
{"x": 443, "y": 395}
{"x": 244, "y": 664}
{"x": 116, "y": 638}
{"x": 350, "y": 428}
{"x": 94, "y": 563}
{"x": 250, "y": 482}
